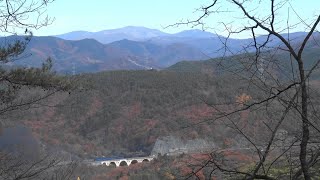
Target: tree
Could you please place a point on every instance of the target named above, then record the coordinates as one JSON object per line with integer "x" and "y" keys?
{"x": 281, "y": 73}
{"x": 16, "y": 167}
{"x": 15, "y": 18}
{"x": 22, "y": 88}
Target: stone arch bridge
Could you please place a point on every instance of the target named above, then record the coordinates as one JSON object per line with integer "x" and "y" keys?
{"x": 125, "y": 161}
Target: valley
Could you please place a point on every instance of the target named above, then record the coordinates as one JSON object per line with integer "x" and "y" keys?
{"x": 166, "y": 113}
{"x": 159, "y": 90}
{"x": 169, "y": 99}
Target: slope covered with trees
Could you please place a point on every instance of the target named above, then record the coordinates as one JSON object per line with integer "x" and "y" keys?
{"x": 126, "y": 111}
{"x": 120, "y": 112}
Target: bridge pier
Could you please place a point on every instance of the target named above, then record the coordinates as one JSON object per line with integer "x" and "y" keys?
{"x": 118, "y": 163}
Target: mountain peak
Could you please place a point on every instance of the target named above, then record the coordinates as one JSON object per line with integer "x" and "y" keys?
{"x": 196, "y": 33}
{"x": 138, "y": 28}
{"x": 134, "y": 32}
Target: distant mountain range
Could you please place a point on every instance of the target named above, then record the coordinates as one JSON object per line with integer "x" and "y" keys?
{"x": 108, "y": 36}
{"x": 88, "y": 55}
{"x": 130, "y": 48}
{"x": 133, "y": 33}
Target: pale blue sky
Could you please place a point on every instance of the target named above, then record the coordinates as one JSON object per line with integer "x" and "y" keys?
{"x": 97, "y": 15}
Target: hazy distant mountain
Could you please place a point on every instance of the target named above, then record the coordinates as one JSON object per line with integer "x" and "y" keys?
{"x": 195, "y": 33}
{"x": 89, "y": 55}
{"x": 135, "y": 33}
{"x": 76, "y": 35}
{"x": 107, "y": 36}
{"x": 158, "y": 55}
{"x": 86, "y": 55}
{"x": 197, "y": 38}
{"x": 153, "y": 49}
{"x": 210, "y": 44}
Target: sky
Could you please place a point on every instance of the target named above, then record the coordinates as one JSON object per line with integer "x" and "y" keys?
{"x": 97, "y": 15}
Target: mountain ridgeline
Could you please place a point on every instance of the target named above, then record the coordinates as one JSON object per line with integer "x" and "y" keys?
{"x": 129, "y": 48}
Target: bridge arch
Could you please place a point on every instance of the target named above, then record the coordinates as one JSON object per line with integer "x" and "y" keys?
{"x": 134, "y": 161}
{"x": 145, "y": 160}
{"x": 112, "y": 164}
{"x": 123, "y": 163}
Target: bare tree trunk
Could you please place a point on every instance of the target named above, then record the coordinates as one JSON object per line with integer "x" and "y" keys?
{"x": 305, "y": 124}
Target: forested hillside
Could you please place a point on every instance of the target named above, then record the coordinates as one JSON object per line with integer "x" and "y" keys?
{"x": 123, "y": 113}
{"x": 126, "y": 111}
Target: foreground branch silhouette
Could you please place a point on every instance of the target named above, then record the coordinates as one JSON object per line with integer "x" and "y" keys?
{"x": 281, "y": 73}
{"x": 22, "y": 88}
